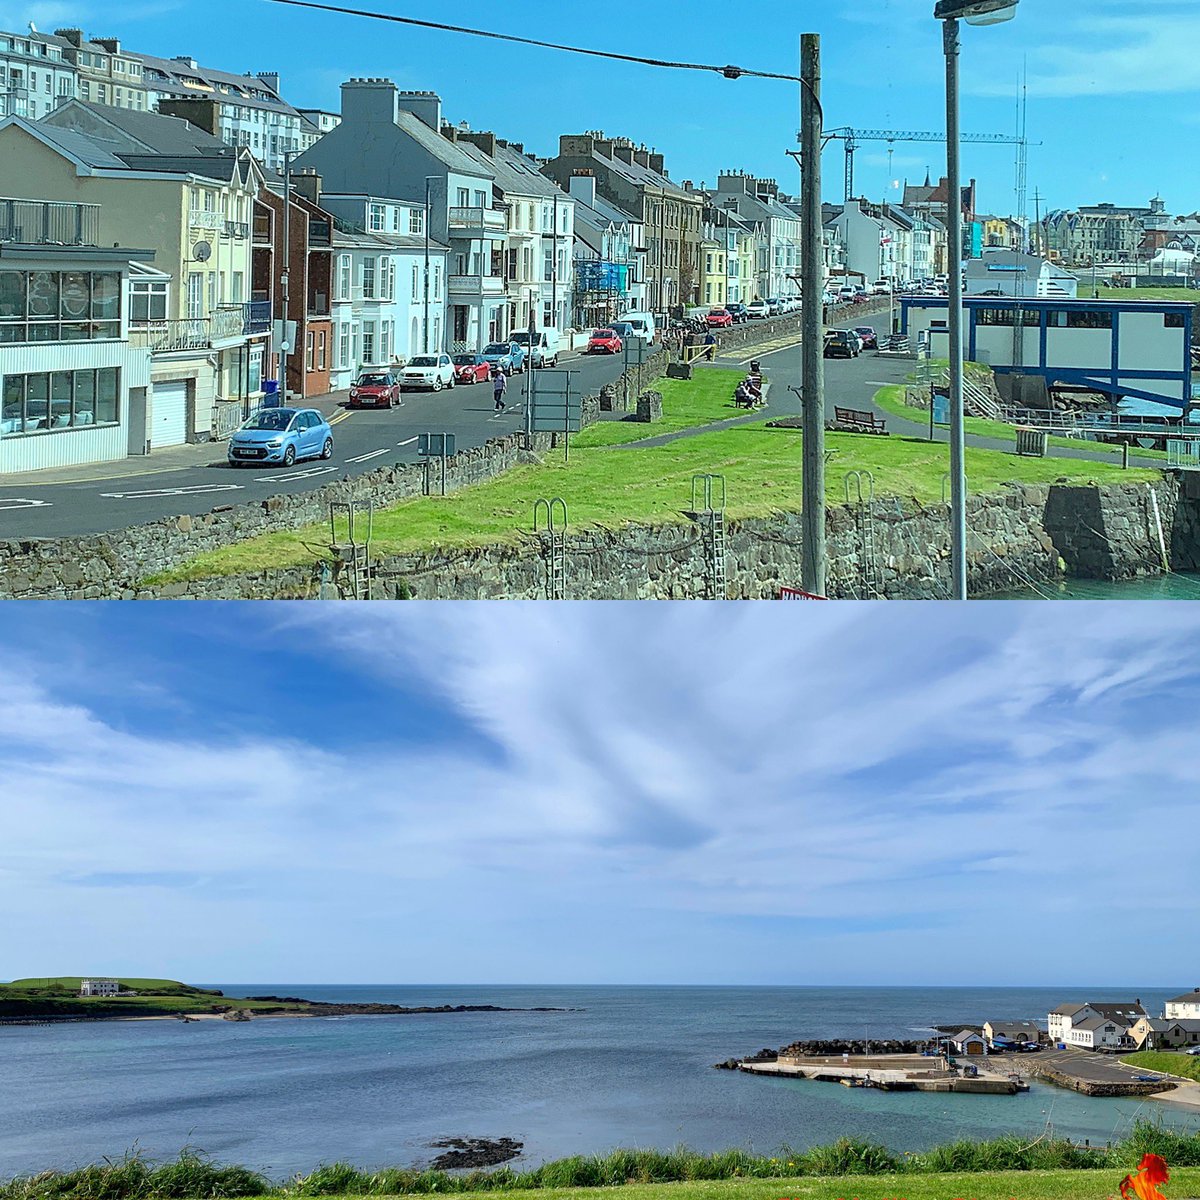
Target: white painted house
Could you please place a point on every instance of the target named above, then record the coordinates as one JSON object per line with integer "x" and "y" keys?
{"x": 378, "y": 309}
{"x": 1090, "y": 1019}
{"x": 99, "y": 987}
{"x": 68, "y": 376}
{"x": 1185, "y": 1007}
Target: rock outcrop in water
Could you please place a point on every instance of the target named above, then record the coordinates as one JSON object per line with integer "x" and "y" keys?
{"x": 463, "y": 1153}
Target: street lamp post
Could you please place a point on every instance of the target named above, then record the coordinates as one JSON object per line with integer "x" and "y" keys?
{"x": 974, "y": 12}
{"x": 284, "y": 345}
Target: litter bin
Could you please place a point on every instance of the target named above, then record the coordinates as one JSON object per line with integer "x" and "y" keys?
{"x": 270, "y": 397}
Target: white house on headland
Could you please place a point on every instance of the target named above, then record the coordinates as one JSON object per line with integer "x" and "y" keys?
{"x": 99, "y": 987}
{"x": 1184, "y": 1007}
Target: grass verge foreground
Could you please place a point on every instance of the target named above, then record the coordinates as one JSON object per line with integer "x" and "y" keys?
{"x": 1006, "y": 1168}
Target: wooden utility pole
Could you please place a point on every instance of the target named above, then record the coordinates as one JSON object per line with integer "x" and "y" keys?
{"x": 812, "y": 316}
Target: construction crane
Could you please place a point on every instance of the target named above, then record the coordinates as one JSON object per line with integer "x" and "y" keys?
{"x": 852, "y": 137}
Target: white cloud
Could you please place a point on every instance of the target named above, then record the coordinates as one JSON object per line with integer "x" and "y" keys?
{"x": 665, "y": 766}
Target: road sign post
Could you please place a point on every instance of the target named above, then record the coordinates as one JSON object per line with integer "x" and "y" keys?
{"x": 435, "y": 445}
{"x": 555, "y": 409}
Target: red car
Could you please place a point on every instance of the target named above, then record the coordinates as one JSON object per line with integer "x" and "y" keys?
{"x": 718, "y": 318}
{"x": 375, "y": 389}
{"x": 604, "y": 341}
{"x": 471, "y": 368}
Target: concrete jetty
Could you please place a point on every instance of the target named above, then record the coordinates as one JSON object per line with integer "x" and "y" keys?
{"x": 891, "y": 1072}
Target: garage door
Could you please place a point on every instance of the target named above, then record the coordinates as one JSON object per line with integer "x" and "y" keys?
{"x": 168, "y": 426}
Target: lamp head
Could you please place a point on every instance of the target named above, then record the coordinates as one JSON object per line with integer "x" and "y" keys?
{"x": 976, "y": 12}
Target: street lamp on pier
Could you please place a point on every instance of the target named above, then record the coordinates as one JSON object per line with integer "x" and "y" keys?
{"x": 974, "y": 12}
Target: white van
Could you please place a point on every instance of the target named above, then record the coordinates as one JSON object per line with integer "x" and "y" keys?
{"x": 643, "y": 325}
{"x": 544, "y": 352}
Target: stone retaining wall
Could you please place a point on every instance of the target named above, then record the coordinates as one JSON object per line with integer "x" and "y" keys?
{"x": 899, "y": 551}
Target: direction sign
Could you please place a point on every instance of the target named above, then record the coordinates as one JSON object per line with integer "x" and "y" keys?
{"x": 436, "y": 445}
{"x": 549, "y": 417}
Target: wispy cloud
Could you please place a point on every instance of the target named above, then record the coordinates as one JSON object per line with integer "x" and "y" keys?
{"x": 824, "y": 778}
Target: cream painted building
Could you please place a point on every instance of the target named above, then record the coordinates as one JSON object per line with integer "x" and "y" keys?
{"x": 192, "y": 207}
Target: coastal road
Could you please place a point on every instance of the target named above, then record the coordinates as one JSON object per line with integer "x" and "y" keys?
{"x": 1087, "y": 1065}
{"x": 195, "y": 479}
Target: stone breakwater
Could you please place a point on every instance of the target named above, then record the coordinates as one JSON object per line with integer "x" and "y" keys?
{"x": 1089, "y": 1087}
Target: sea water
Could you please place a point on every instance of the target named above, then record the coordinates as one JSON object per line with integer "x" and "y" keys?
{"x": 629, "y": 1066}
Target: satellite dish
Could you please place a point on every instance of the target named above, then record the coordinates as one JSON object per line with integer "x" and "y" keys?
{"x": 201, "y": 251}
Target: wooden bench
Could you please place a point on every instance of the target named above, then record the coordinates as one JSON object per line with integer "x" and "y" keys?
{"x": 750, "y": 401}
{"x": 856, "y": 418}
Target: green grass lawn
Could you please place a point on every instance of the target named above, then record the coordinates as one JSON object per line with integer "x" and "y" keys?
{"x": 1161, "y": 1060}
{"x": 1000, "y": 1185}
{"x": 611, "y": 487}
{"x": 701, "y": 400}
{"x": 1086, "y": 292}
{"x": 70, "y": 984}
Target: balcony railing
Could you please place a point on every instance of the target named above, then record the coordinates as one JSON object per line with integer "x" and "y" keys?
{"x": 206, "y": 218}
{"x": 237, "y": 229}
{"x": 478, "y": 285}
{"x": 227, "y": 323}
{"x": 49, "y": 223}
{"x": 161, "y": 337}
{"x": 255, "y": 315}
{"x": 477, "y": 218}
{"x": 190, "y": 333}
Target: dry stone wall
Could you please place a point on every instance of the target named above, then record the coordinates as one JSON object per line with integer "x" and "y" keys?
{"x": 898, "y": 550}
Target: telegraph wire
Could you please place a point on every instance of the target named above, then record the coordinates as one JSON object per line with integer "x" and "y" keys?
{"x": 729, "y": 71}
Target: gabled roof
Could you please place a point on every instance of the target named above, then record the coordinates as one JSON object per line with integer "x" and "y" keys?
{"x": 964, "y": 1034}
{"x": 76, "y": 146}
{"x": 1162, "y": 1024}
{"x": 1094, "y": 1023}
{"x": 1020, "y": 1026}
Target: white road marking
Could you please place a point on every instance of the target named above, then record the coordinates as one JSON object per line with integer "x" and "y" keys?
{"x": 370, "y": 454}
{"x": 10, "y": 502}
{"x": 294, "y": 475}
{"x": 407, "y": 441}
{"x": 199, "y": 489}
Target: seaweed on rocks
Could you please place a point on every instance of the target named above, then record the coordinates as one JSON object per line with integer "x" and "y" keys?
{"x": 463, "y": 1153}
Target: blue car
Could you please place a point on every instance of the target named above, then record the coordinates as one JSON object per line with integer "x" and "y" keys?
{"x": 507, "y": 355}
{"x": 281, "y": 435}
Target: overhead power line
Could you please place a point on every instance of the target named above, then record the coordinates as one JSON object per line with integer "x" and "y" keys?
{"x": 729, "y": 72}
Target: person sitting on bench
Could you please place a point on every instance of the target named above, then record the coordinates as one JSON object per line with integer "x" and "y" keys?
{"x": 743, "y": 397}
{"x": 754, "y": 387}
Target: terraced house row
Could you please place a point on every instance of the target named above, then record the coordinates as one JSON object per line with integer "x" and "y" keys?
{"x": 178, "y": 241}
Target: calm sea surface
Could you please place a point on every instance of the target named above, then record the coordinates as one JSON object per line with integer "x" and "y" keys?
{"x": 633, "y": 1069}
{"x": 1178, "y": 586}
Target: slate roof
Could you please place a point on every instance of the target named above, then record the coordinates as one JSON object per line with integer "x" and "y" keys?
{"x": 150, "y": 131}
{"x": 514, "y": 173}
{"x": 1162, "y": 1024}
{"x": 1192, "y": 997}
{"x": 359, "y": 239}
{"x": 1018, "y": 1026}
{"x": 166, "y": 75}
{"x": 75, "y": 145}
{"x": 963, "y": 1034}
{"x": 1094, "y": 1023}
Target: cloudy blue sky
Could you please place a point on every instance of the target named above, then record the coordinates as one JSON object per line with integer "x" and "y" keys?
{"x": 1112, "y": 83}
{"x": 995, "y": 793}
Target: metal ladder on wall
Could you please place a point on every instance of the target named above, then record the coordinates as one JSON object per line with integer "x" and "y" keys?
{"x": 705, "y": 490}
{"x": 860, "y": 491}
{"x": 550, "y": 518}
{"x": 353, "y": 555}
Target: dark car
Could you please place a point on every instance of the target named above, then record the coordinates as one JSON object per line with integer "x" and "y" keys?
{"x": 375, "y": 389}
{"x": 841, "y": 343}
{"x": 867, "y": 336}
{"x": 471, "y": 368}
{"x": 738, "y": 312}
